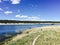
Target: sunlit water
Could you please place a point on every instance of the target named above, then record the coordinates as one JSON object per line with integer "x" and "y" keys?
{"x": 13, "y": 28}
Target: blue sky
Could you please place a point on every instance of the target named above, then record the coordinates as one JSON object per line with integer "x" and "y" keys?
{"x": 38, "y": 10}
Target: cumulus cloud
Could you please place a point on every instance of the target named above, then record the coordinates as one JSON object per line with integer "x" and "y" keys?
{"x": 27, "y": 17}
{"x": 15, "y": 1}
{"x": 33, "y": 18}
{"x": 12, "y": 1}
{"x": 21, "y": 16}
{"x": 8, "y": 12}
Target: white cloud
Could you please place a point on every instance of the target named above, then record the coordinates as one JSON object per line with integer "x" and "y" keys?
{"x": 8, "y": 12}
{"x": 43, "y": 20}
{"x": 17, "y": 16}
{"x": 12, "y": 1}
{"x": 33, "y": 17}
{"x": 1, "y": 9}
{"x": 15, "y": 1}
{"x": 27, "y": 17}
{"x": 21, "y": 16}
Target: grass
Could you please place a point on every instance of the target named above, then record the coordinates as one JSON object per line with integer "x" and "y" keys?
{"x": 1, "y": 43}
{"x": 47, "y": 37}
{"x": 27, "y": 40}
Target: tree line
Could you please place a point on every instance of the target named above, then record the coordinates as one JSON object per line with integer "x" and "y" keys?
{"x": 17, "y": 21}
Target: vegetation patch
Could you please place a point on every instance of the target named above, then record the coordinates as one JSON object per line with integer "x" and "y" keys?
{"x": 49, "y": 38}
{"x": 27, "y": 40}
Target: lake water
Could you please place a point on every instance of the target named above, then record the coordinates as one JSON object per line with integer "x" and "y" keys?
{"x": 13, "y": 28}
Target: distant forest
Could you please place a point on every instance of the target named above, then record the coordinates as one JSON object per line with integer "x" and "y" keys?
{"x": 16, "y": 21}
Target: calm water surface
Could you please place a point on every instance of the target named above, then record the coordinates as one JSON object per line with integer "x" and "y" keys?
{"x": 13, "y": 28}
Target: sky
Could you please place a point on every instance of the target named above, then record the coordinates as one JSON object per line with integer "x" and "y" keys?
{"x": 31, "y": 10}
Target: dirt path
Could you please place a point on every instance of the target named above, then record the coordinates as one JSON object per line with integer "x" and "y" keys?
{"x": 34, "y": 41}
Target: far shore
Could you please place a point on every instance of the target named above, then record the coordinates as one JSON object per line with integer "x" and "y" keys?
{"x": 26, "y": 23}
{"x": 16, "y": 23}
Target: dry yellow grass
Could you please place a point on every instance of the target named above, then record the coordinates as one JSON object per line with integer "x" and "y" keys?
{"x": 34, "y": 30}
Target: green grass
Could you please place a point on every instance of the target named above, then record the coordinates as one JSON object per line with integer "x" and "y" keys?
{"x": 49, "y": 38}
{"x": 27, "y": 40}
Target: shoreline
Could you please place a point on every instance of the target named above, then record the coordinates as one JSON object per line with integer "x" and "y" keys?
{"x": 19, "y": 24}
{"x": 26, "y": 23}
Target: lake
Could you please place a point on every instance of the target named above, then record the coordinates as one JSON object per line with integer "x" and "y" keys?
{"x": 14, "y": 28}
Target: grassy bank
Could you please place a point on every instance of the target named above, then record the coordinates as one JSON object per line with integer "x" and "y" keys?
{"x": 48, "y": 36}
